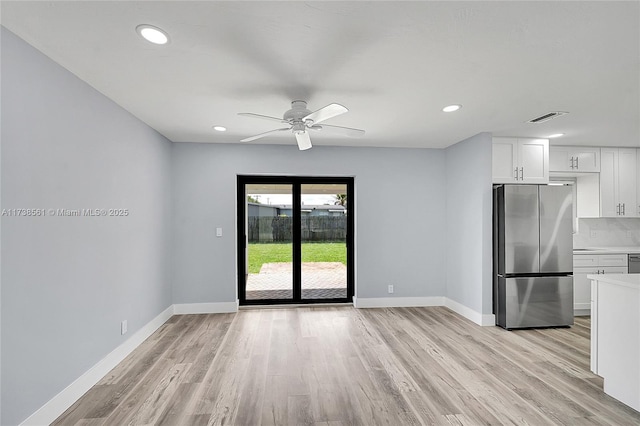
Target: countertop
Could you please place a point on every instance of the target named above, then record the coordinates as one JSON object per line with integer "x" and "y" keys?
{"x": 607, "y": 250}
{"x": 626, "y": 280}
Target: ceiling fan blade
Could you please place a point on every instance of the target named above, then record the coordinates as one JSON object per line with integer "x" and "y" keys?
{"x": 304, "y": 141}
{"x": 262, "y": 135}
{"x": 347, "y": 131}
{"x": 264, "y": 117}
{"x": 325, "y": 113}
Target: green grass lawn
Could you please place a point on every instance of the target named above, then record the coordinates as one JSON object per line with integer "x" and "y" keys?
{"x": 311, "y": 252}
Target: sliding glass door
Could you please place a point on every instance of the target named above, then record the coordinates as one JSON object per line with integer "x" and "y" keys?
{"x": 323, "y": 237}
{"x": 295, "y": 239}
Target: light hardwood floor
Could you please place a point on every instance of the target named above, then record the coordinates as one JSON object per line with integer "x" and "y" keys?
{"x": 340, "y": 366}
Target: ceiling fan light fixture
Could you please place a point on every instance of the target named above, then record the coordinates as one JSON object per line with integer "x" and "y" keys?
{"x": 451, "y": 108}
{"x": 301, "y": 121}
{"x": 152, "y": 34}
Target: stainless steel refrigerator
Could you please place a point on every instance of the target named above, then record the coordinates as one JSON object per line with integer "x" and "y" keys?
{"x": 533, "y": 255}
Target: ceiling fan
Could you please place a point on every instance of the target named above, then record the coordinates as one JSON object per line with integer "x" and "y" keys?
{"x": 301, "y": 120}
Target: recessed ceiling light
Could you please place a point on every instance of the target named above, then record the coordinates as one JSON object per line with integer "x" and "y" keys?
{"x": 555, "y": 135}
{"x": 152, "y": 34}
{"x": 451, "y": 108}
{"x": 219, "y": 128}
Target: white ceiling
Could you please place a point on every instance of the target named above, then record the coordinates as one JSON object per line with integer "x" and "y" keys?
{"x": 393, "y": 64}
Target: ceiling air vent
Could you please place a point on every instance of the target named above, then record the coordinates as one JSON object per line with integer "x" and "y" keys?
{"x": 546, "y": 117}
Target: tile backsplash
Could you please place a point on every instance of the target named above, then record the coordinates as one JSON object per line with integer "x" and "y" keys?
{"x": 607, "y": 232}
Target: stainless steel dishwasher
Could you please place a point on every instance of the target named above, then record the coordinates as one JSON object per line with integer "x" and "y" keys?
{"x": 634, "y": 263}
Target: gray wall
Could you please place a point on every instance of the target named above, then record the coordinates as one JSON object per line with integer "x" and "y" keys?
{"x": 67, "y": 282}
{"x": 469, "y": 224}
{"x": 400, "y": 198}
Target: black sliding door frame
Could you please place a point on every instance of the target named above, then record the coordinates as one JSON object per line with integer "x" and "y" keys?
{"x": 296, "y": 183}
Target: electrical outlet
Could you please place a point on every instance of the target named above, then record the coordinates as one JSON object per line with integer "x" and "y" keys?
{"x": 218, "y": 232}
{"x": 390, "y": 288}
{"x": 123, "y": 327}
{"x": 594, "y": 234}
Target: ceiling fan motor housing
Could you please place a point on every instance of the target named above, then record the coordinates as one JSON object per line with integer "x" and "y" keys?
{"x": 297, "y": 112}
{"x": 298, "y": 127}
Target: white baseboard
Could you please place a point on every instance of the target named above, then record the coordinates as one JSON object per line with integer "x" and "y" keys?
{"x": 405, "y": 302}
{"x": 205, "y": 308}
{"x": 68, "y": 396}
{"x": 484, "y": 320}
{"x": 581, "y": 309}
{"x": 396, "y": 302}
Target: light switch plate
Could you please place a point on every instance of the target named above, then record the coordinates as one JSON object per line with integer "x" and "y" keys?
{"x": 218, "y": 232}
{"x": 123, "y": 327}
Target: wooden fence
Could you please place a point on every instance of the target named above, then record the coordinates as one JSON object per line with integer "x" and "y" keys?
{"x": 268, "y": 229}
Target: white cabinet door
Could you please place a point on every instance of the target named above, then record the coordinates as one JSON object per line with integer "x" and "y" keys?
{"x": 618, "y": 182}
{"x": 586, "y": 159}
{"x": 534, "y": 160}
{"x": 582, "y": 289}
{"x": 609, "y": 182}
{"x": 613, "y": 260}
{"x": 504, "y": 160}
{"x": 561, "y": 159}
{"x": 517, "y": 160}
{"x": 614, "y": 270}
{"x": 574, "y": 159}
{"x": 627, "y": 169}
{"x": 582, "y": 285}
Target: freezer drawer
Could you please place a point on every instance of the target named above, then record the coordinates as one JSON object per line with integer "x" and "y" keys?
{"x": 535, "y": 302}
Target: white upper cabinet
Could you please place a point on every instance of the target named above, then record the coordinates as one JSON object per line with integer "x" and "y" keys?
{"x": 618, "y": 182}
{"x": 505, "y": 160}
{"x": 519, "y": 160}
{"x": 574, "y": 159}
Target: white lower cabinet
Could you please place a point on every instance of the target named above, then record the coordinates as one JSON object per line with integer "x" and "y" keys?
{"x": 591, "y": 264}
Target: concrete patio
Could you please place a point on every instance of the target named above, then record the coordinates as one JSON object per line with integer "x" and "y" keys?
{"x": 320, "y": 280}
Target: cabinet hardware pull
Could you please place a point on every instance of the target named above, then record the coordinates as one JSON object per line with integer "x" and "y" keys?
{"x": 521, "y": 173}
{"x": 577, "y": 162}
{"x": 623, "y": 210}
{"x": 618, "y": 209}
{"x": 571, "y": 162}
{"x": 516, "y": 173}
